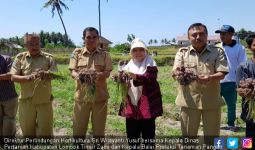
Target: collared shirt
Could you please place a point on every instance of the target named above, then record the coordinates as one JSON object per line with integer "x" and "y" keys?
{"x": 197, "y": 95}
{"x": 99, "y": 61}
{"x": 236, "y": 55}
{"x": 7, "y": 88}
{"x": 38, "y": 90}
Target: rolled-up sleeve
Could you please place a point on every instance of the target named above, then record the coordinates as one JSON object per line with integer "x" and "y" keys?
{"x": 16, "y": 66}
{"x": 53, "y": 65}
{"x": 221, "y": 64}
{"x": 73, "y": 61}
{"x": 108, "y": 62}
{"x": 178, "y": 60}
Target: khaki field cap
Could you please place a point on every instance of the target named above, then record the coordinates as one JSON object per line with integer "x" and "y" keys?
{"x": 137, "y": 43}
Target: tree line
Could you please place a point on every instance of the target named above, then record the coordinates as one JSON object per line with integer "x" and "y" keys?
{"x": 48, "y": 40}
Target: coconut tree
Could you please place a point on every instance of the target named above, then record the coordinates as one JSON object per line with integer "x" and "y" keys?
{"x": 57, "y": 5}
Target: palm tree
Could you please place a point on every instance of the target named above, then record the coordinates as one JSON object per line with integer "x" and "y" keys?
{"x": 57, "y": 4}
{"x": 155, "y": 41}
{"x": 150, "y": 42}
{"x": 130, "y": 37}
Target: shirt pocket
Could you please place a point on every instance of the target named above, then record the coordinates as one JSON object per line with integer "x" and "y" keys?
{"x": 26, "y": 69}
{"x": 191, "y": 65}
{"x": 210, "y": 65}
{"x": 99, "y": 65}
{"x": 83, "y": 62}
{"x": 44, "y": 65}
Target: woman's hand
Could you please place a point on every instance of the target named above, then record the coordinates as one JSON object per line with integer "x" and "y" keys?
{"x": 132, "y": 75}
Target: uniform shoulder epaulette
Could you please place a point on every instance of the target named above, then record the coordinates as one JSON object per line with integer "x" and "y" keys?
{"x": 47, "y": 54}
{"x": 102, "y": 49}
{"x": 77, "y": 50}
{"x": 218, "y": 45}
{"x": 214, "y": 47}
{"x": 21, "y": 54}
{"x": 183, "y": 49}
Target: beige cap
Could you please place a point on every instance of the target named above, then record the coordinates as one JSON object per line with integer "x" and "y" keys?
{"x": 137, "y": 43}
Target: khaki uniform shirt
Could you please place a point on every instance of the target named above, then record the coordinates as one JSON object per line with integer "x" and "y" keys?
{"x": 99, "y": 61}
{"x": 38, "y": 90}
{"x": 197, "y": 95}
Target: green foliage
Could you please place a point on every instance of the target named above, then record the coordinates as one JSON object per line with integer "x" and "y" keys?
{"x": 56, "y": 5}
{"x": 121, "y": 48}
{"x": 117, "y": 58}
{"x": 130, "y": 37}
{"x": 242, "y": 33}
{"x": 165, "y": 55}
{"x": 48, "y": 40}
{"x": 62, "y": 59}
{"x": 243, "y": 42}
{"x": 49, "y": 45}
{"x": 9, "y": 43}
{"x": 55, "y": 40}
{"x": 164, "y": 60}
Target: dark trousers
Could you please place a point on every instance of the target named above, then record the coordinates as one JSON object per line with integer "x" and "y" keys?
{"x": 228, "y": 91}
{"x": 136, "y": 129}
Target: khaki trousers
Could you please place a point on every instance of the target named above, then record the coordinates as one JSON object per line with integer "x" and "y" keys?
{"x": 190, "y": 121}
{"x": 83, "y": 111}
{"x": 8, "y": 111}
{"x": 36, "y": 119}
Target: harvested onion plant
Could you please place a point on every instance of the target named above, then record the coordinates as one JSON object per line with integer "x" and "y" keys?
{"x": 122, "y": 79}
{"x": 246, "y": 89}
{"x": 41, "y": 76}
{"x": 184, "y": 75}
{"x": 87, "y": 78}
{"x": 41, "y": 79}
{"x": 45, "y": 75}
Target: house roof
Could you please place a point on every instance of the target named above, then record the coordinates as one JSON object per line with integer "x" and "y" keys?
{"x": 104, "y": 40}
{"x": 182, "y": 38}
{"x": 11, "y": 45}
{"x": 214, "y": 37}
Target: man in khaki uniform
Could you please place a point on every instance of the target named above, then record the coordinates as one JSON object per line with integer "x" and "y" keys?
{"x": 202, "y": 97}
{"x": 35, "y": 100}
{"x": 90, "y": 57}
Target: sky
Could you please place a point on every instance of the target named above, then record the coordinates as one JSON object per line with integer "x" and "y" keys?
{"x": 146, "y": 19}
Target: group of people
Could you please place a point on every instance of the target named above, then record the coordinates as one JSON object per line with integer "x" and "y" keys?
{"x": 219, "y": 69}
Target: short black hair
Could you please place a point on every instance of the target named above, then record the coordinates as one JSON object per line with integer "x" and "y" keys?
{"x": 89, "y": 29}
{"x": 197, "y": 25}
{"x": 249, "y": 39}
